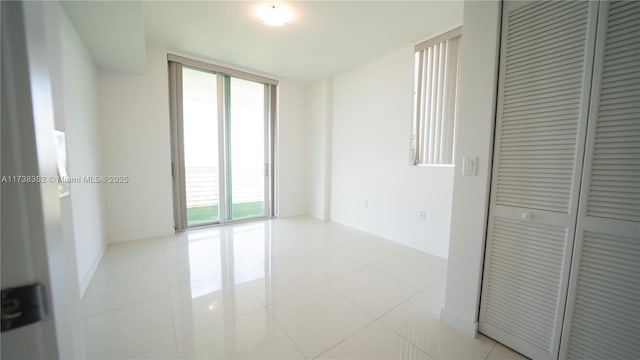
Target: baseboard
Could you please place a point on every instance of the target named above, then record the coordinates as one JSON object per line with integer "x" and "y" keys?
{"x": 84, "y": 283}
{"x": 145, "y": 237}
{"x": 456, "y": 322}
{"x": 317, "y": 217}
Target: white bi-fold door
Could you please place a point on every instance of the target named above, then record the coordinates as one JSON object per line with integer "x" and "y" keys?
{"x": 563, "y": 232}
{"x": 602, "y": 320}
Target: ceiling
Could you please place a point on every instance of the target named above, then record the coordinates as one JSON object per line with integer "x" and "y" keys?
{"x": 113, "y": 32}
{"x": 323, "y": 39}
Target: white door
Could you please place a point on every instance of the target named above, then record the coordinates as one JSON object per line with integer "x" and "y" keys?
{"x": 603, "y": 308}
{"x": 33, "y": 249}
{"x": 544, "y": 89}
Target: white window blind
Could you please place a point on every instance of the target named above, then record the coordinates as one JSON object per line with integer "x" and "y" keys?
{"x": 436, "y": 78}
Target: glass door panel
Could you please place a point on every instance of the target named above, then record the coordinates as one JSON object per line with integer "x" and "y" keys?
{"x": 246, "y": 149}
{"x": 200, "y": 129}
{"x": 222, "y": 146}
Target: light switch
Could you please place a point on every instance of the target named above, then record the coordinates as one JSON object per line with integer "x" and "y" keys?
{"x": 469, "y": 166}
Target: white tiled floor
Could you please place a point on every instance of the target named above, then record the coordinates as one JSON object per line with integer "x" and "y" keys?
{"x": 279, "y": 289}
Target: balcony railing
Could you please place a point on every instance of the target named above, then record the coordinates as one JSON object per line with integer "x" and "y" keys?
{"x": 202, "y": 186}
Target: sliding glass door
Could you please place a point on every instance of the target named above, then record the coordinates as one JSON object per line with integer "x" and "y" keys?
{"x": 246, "y": 150}
{"x": 200, "y": 131}
{"x": 222, "y": 144}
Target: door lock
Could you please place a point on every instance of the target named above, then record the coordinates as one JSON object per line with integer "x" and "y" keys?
{"x": 22, "y": 306}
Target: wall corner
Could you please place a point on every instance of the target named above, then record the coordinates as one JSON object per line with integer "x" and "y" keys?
{"x": 467, "y": 327}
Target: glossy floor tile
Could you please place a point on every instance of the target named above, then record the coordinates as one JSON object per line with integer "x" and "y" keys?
{"x": 319, "y": 319}
{"x": 501, "y": 352}
{"x": 168, "y": 351}
{"x": 279, "y": 289}
{"x": 191, "y": 315}
{"x": 375, "y": 342}
{"x": 372, "y": 291}
{"x": 130, "y": 330}
{"x": 418, "y": 320}
{"x": 253, "y": 336}
{"x": 413, "y": 268}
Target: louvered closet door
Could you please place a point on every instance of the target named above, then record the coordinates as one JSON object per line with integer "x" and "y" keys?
{"x": 603, "y": 311}
{"x": 544, "y": 85}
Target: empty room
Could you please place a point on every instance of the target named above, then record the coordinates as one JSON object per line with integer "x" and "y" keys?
{"x": 320, "y": 179}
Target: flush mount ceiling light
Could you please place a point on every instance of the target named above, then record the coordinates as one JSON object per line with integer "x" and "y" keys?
{"x": 274, "y": 15}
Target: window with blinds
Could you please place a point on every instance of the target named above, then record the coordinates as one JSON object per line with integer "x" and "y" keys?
{"x": 436, "y": 78}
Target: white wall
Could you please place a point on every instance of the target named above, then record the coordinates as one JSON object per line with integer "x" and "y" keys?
{"x": 292, "y": 149}
{"x": 373, "y": 187}
{"x": 136, "y": 143}
{"x": 474, "y": 136}
{"x": 81, "y": 123}
{"x": 318, "y": 137}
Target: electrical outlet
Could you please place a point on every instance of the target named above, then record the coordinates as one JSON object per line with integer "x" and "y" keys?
{"x": 422, "y": 215}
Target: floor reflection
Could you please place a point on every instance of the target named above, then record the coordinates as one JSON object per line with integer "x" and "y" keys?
{"x": 205, "y": 262}
{"x": 249, "y": 252}
{"x": 281, "y": 289}
{"x": 220, "y": 258}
